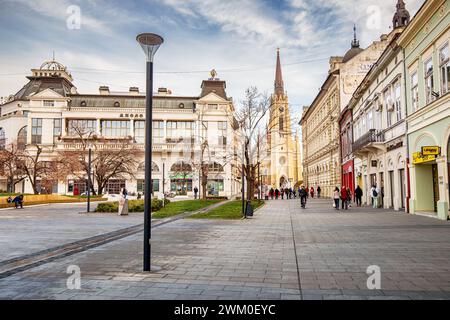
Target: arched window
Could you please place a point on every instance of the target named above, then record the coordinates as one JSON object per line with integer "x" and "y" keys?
{"x": 2, "y": 138}
{"x": 155, "y": 167}
{"x": 181, "y": 167}
{"x": 22, "y": 138}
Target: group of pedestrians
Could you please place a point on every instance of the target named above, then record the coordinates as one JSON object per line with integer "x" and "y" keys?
{"x": 283, "y": 193}
{"x": 343, "y": 197}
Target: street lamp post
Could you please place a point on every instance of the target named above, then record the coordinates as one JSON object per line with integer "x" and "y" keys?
{"x": 89, "y": 181}
{"x": 150, "y": 43}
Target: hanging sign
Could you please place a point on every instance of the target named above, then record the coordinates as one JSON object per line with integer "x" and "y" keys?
{"x": 431, "y": 151}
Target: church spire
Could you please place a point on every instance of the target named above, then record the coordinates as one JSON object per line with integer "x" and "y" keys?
{"x": 279, "y": 85}
{"x": 355, "y": 42}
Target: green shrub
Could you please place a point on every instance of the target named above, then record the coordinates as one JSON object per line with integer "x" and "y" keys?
{"x": 133, "y": 206}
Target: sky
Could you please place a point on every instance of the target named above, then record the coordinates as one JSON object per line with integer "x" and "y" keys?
{"x": 95, "y": 39}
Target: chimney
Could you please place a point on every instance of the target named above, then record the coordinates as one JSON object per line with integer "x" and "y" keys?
{"x": 104, "y": 90}
{"x": 134, "y": 90}
{"x": 164, "y": 91}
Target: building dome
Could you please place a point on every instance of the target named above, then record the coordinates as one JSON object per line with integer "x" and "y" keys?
{"x": 353, "y": 52}
{"x": 355, "y": 49}
{"x": 52, "y": 65}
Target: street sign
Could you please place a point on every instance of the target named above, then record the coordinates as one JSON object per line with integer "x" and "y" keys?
{"x": 419, "y": 158}
{"x": 431, "y": 151}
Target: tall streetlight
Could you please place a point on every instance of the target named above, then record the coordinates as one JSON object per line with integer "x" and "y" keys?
{"x": 150, "y": 43}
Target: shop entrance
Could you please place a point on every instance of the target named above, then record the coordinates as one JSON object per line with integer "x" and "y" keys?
{"x": 391, "y": 186}
{"x": 401, "y": 172}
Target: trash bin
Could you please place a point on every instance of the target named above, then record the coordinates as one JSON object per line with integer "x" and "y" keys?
{"x": 123, "y": 207}
{"x": 248, "y": 209}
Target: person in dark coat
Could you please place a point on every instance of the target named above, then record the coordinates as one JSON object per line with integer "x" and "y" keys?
{"x": 319, "y": 190}
{"x": 344, "y": 199}
{"x": 271, "y": 193}
{"x": 18, "y": 201}
{"x": 303, "y": 194}
{"x": 277, "y": 193}
{"x": 358, "y": 196}
{"x": 195, "y": 193}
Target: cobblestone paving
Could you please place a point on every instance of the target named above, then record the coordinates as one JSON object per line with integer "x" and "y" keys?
{"x": 42, "y": 227}
{"x": 284, "y": 252}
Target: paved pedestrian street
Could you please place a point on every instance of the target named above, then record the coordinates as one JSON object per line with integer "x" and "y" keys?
{"x": 283, "y": 252}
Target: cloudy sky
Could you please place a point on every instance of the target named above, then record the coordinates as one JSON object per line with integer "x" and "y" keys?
{"x": 236, "y": 37}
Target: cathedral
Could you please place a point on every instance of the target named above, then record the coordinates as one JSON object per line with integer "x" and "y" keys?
{"x": 282, "y": 166}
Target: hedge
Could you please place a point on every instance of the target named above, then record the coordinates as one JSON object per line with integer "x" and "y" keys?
{"x": 133, "y": 206}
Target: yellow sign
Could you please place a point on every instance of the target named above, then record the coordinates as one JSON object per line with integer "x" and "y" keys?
{"x": 418, "y": 158}
{"x": 431, "y": 151}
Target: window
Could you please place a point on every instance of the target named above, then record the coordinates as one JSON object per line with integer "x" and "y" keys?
{"x": 139, "y": 131}
{"x": 115, "y": 128}
{"x": 281, "y": 123}
{"x": 222, "y": 128}
{"x": 429, "y": 85}
{"x": 179, "y": 130}
{"x": 49, "y": 103}
{"x": 214, "y": 186}
{"x": 397, "y": 97}
{"x": 57, "y": 128}
{"x": 36, "y": 131}
{"x": 115, "y": 186}
{"x": 158, "y": 131}
{"x": 389, "y": 105}
{"x": 2, "y": 139}
{"x": 141, "y": 185}
{"x": 81, "y": 127}
{"x": 215, "y": 167}
{"x": 370, "y": 119}
{"x": 415, "y": 91}
{"x": 22, "y": 138}
{"x": 444, "y": 60}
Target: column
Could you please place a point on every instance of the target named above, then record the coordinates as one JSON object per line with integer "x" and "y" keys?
{"x": 132, "y": 128}
{"x": 412, "y": 178}
{"x": 442, "y": 204}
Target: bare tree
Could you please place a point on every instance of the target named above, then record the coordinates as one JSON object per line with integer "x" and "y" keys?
{"x": 107, "y": 162}
{"x": 253, "y": 109}
{"x": 11, "y": 166}
{"x": 38, "y": 169}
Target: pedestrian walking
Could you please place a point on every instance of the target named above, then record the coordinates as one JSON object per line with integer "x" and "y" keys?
{"x": 336, "y": 196}
{"x": 303, "y": 194}
{"x": 124, "y": 193}
{"x": 349, "y": 197}
{"x": 286, "y": 192}
{"x": 271, "y": 193}
{"x": 312, "y": 192}
{"x": 344, "y": 199}
{"x": 195, "y": 193}
{"x": 277, "y": 193}
{"x": 319, "y": 190}
{"x": 358, "y": 196}
{"x": 374, "y": 194}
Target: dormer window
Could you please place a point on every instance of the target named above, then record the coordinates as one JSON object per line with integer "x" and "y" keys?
{"x": 117, "y": 104}
{"x": 83, "y": 104}
{"x": 181, "y": 106}
{"x": 49, "y": 103}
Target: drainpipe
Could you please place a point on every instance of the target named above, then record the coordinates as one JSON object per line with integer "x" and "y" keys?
{"x": 408, "y": 179}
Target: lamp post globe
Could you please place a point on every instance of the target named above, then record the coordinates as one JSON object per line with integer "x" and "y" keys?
{"x": 150, "y": 43}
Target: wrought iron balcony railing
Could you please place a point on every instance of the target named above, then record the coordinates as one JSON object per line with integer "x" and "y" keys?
{"x": 372, "y": 136}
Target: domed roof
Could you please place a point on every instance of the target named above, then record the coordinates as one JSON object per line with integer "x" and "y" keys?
{"x": 52, "y": 65}
{"x": 353, "y": 52}
{"x": 355, "y": 49}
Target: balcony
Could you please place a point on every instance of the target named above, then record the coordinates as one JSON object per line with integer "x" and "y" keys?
{"x": 371, "y": 140}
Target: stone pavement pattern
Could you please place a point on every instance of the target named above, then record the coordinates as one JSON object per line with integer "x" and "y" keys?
{"x": 42, "y": 227}
{"x": 284, "y": 252}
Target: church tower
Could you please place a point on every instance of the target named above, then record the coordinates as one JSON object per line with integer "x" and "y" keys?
{"x": 283, "y": 148}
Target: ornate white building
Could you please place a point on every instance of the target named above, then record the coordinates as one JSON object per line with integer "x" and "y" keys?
{"x": 48, "y": 108}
